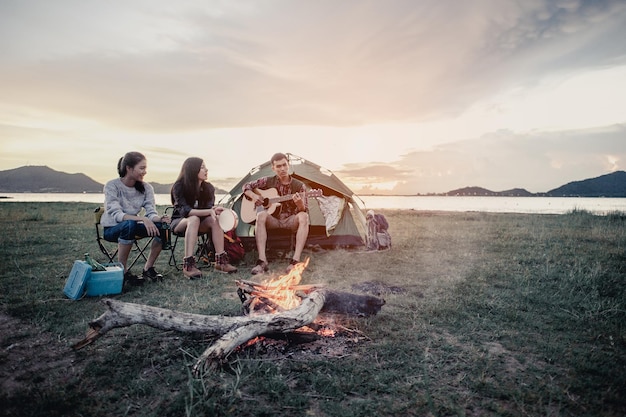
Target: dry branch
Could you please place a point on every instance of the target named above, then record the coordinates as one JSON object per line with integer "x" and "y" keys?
{"x": 259, "y": 325}
{"x": 231, "y": 331}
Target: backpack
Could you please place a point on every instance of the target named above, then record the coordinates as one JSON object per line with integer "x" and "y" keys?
{"x": 378, "y": 237}
{"x": 233, "y": 246}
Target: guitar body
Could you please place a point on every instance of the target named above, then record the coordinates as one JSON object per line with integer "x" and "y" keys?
{"x": 271, "y": 201}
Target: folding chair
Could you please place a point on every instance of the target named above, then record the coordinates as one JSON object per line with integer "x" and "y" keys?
{"x": 202, "y": 252}
{"x": 109, "y": 252}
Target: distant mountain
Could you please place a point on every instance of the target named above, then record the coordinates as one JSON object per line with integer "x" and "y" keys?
{"x": 161, "y": 188}
{"x": 41, "y": 179}
{"x": 479, "y": 191}
{"x": 609, "y": 185}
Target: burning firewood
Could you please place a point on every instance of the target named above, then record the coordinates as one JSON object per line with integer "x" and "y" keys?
{"x": 285, "y": 291}
{"x": 271, "y": 308}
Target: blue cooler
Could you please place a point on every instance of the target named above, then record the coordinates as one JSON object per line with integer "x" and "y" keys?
{"x": 77, "y": 280}
{"x": 106, "y": 282}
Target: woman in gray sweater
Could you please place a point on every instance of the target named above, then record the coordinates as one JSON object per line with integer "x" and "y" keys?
{"x": 124, "y": 200}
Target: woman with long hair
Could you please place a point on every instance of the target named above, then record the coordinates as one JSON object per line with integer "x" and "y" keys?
{"x": 124, "y": 199}
{"x": 193, "y": 198}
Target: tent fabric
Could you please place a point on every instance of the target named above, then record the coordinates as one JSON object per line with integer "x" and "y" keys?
{"x": 347, "y": 230}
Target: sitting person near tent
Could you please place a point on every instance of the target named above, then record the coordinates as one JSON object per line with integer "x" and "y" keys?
{"x": 291, "y": 214}
{"x": 124, "y": 198}
{"x": 193, "y": 199}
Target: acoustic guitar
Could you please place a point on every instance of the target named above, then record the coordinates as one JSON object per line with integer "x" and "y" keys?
{"x": 271, "y": 201}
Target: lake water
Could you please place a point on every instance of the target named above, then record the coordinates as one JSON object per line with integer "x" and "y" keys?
{"x": 544, "y": 205}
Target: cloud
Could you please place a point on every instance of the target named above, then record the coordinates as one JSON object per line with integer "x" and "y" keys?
{"x": 373, "y": 173}
{"x": 411, "y": 86}
{"x": 504, "y": 160}
{"x": 283, "y": 63}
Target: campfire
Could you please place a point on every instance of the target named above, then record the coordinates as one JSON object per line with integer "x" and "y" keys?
{"x": 281, "y": 293}
{"x": 277, "y": 306}
{"x": 276, "y": 294}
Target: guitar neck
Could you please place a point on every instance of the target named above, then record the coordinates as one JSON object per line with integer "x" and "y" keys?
{"x": 281, "y": 198}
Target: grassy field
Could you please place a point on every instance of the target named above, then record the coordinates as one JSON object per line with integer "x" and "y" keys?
{"x": 485, "y": 315}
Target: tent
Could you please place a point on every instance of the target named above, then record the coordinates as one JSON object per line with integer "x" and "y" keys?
{"x": 336, "y": 217}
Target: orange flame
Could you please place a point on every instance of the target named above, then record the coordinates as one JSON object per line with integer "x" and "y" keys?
{"x": 280, "y": 289}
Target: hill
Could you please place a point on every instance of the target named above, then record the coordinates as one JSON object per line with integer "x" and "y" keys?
{"x": 479, "y": 191}
{"x": 162, "y": 188}
{"x": 41, "y": 179}
{"x": 609, "y": 185}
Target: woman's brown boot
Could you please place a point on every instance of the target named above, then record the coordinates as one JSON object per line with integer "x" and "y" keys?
{"x": 189, "y": 268}
{"x": 222, "y": 264}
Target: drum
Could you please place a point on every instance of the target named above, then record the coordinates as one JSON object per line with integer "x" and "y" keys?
{"x": 227, "y": 220}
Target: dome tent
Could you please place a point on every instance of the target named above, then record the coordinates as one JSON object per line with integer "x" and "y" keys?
{"x": 345, "y": 228}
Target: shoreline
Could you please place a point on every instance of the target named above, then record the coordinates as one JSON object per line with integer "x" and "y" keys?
{"x": 424, "y": 212}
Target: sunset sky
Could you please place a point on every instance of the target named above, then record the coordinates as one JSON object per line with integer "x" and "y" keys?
{"x": 397, "y": 97}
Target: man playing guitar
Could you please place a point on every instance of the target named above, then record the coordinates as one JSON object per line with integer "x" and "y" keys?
{"x": 292, "y": 214}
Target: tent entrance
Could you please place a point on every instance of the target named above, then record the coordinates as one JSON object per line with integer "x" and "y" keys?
{"x": 337, "y": 219}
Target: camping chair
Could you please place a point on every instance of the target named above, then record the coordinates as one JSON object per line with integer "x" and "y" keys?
{"x": 203, "y": 252}
{"x": 138, "y": 249}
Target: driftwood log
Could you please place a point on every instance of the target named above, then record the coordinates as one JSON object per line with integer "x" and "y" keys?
{"x": 230, "y": 331}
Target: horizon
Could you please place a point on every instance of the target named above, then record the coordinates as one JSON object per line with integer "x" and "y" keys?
{"x": 226, "y": 191}
{"x": 393, "y": 97}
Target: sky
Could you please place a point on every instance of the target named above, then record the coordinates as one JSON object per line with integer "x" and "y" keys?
{"x": 393, "y": 96}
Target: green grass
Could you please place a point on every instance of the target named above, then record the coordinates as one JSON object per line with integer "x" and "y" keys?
{"x": 502, "y": 314}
